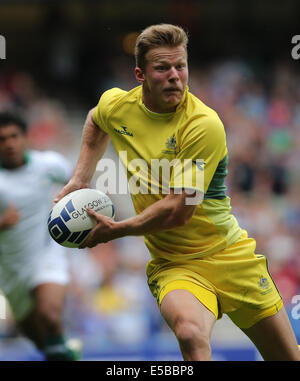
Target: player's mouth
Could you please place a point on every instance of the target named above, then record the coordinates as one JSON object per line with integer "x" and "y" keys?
{"x": 173, "y": 90}
{"x": 11, "y": 152}
{"x": 12, "y": 155}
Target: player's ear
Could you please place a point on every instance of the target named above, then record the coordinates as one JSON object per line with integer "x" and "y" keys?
{"x": 139, "y": 74}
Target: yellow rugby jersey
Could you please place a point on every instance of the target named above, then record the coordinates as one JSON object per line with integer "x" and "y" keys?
{"x": 144, "y": 139}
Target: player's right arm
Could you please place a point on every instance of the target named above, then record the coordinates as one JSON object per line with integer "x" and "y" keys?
{"x": 93, "y": 145}
{"x": 9, "y": 218}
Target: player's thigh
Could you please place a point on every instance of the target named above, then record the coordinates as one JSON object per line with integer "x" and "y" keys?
{"x": 180, "y": 308}
{"x": 274, "y": 338}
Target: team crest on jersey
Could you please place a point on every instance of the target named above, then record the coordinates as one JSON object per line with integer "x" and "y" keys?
{"x": 171, "y": 145}
{"x": 263, "y": 283}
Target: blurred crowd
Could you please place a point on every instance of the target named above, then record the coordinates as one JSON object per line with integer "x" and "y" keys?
{"x": 260, "y": 110}
{"x": 46, "y": 116}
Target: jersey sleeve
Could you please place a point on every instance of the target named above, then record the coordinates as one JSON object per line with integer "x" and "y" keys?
{"x": 202, "y": 145}
{"x": 106, "y": 103}
{"x": 57, "y": 167}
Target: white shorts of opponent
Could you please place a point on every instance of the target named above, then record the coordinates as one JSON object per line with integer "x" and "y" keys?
{"x": 20, "y": 274}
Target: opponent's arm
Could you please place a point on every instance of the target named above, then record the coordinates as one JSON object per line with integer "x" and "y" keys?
{"x": 165, "y": 214}
{"x": 93, "y": 145}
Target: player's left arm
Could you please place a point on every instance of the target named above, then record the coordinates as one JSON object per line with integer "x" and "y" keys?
{"x": 170, "y": 212}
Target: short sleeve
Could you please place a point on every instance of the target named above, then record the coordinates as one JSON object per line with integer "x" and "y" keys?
{"x": 57, "y": 167}
{"x": 106, "y": 103}
{"x": 202, "y": 146}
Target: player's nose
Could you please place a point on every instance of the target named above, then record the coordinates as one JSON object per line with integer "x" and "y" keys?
{"x": 173, "y": 75}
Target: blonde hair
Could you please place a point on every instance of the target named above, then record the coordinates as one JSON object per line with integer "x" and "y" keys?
{"x": 158, "y": 35}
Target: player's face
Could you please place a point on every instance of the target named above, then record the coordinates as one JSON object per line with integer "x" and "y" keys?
{"x": 13, "y": 144}
{"x": 164, "y": 78}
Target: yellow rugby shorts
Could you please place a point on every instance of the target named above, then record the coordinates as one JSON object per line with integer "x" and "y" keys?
{"x": 234, "y": 281}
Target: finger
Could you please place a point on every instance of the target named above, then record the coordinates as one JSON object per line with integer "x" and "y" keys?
{"x": 84, "y": 244}
{"x": 87, "y": 241}
{"x": 93, "y": 214}
{"x": 68, "y": 189}
{"x": 57, "y": 198}
{"x": 60, "y": 196}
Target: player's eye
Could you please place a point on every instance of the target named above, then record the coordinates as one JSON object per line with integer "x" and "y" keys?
{"x": 161, "y": 68}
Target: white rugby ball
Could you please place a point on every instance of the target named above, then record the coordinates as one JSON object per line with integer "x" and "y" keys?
{"x": 69, "y": 224}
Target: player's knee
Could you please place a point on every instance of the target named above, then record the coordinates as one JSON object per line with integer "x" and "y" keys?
{"x": 190, "y": 336}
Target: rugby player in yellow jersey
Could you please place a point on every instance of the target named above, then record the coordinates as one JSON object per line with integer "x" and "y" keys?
{"x": 203, "y": 264}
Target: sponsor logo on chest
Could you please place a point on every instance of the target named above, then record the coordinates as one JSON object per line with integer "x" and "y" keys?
{"x": 124, "y": 131}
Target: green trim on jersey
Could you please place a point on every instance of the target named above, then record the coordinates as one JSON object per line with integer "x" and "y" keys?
{"x": 216, "y": 189}
{"x": 27, "y": 157}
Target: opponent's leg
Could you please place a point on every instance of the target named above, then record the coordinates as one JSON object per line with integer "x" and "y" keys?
{"x": 274, "y": 338}
{"x": 30, "y": 329}
{"x": 49, "y": 302}
{"x": 191, "y": 322}
{"x": 44, "y": 324}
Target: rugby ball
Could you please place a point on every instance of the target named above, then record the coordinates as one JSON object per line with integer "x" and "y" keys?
{"x": 69, "y": 224}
